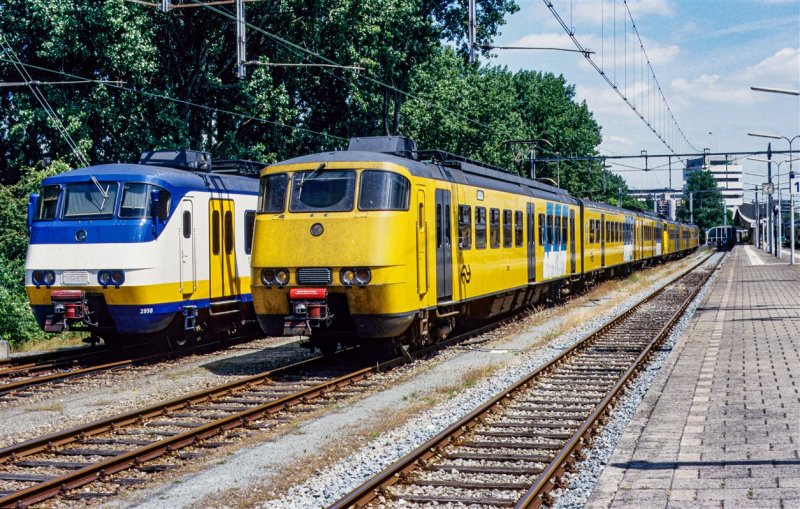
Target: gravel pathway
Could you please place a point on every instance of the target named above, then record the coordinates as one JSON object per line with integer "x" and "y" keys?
{"x": 418, "y": 402}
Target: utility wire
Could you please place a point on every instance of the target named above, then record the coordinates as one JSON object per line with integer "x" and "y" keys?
{"x": 185, "y": 102}
{"x": 297, "y": 49}
{"x": 639, "y": 110}
{"x": 40, "y": 97}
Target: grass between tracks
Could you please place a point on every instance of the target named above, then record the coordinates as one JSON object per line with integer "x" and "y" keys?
{"x": 55, "y": 342}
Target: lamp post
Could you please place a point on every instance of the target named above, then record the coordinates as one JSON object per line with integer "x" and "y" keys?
{"x": 791, "y": 196}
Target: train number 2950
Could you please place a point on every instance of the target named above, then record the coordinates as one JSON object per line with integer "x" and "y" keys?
{"x": 146, "y": 311}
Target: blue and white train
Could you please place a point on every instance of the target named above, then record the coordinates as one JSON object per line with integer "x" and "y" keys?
{"x": 159, "y": 249}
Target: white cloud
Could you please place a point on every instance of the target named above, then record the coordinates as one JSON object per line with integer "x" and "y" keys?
{"x": 783, "y": 66}
{"x": 781, "y": 70}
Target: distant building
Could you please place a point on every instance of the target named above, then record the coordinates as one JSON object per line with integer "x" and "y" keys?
{"x": 726, "y": 172}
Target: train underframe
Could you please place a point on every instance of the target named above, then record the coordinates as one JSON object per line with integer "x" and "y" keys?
{"x": 79, "y": 311}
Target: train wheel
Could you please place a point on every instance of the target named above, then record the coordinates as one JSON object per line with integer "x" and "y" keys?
{"x": 176, "y": 341}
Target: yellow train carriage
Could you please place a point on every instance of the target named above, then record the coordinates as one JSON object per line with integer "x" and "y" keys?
{"x": 365, "y": 242}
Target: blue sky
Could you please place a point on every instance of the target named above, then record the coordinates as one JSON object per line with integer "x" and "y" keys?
{"x": 706, "y": 54}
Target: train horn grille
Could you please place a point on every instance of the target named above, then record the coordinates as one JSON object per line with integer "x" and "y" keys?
{"x": 314, "y": 276}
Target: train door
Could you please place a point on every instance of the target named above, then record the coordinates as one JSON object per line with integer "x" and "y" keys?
{"x": 222, "y": 257}
{"x": 602, "y": 240}
{"x": 444, "y": 246}
{"x": 572, "y": 240}
{"x": 422, "y": 245}
{"x": 188, "y": 270}
{"x": 531, "y": 243}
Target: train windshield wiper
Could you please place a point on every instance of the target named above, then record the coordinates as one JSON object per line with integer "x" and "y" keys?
{"x": 103, "y": 192}
{"x": 311, "y": 176}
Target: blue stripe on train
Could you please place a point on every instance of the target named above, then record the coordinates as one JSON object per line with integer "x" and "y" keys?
{"x": 141, "y": 319}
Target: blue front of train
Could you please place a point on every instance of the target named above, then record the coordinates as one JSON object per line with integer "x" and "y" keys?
{"x": 98, "y": 256}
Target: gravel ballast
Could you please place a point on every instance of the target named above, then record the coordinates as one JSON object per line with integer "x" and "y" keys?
{"x": 247, "y": 475}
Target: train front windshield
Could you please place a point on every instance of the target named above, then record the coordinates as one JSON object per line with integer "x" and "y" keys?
{"x": 334, "y": 191}
{"x": 98, "y": 200}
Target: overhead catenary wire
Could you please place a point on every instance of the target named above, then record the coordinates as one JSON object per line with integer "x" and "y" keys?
{"x": 641, "y": 107}
{"x": 185, "y": 102}
{"x": 40, "y": 97}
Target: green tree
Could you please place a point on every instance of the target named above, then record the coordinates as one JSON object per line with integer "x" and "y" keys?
{"x": 707, "y": 201}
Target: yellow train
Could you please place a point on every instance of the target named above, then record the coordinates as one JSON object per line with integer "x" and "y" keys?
{"x": 383, "y": 241}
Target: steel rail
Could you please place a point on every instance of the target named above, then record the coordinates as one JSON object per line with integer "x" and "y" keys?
{"x": 93, "y": 472}
{"x": 6, "y": 388}
{"x": 535, "y": 496}
{"x": 394, "y": 473}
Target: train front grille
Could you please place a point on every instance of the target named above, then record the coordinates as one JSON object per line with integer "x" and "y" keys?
{"x": 314, "y": 276}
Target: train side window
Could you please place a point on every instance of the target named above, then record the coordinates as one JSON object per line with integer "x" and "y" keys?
{"x": 518, "y": 228}
{"x": 464, "y": 227}
{"x": 187, "y": 224}
{"x": 249, "y": 230}
{"x": 215, "y": 232}
{"x": 541, "y": 229}
{"x": 480, "y": 227}
{"x": 448, "y": 225}
{"x": 494, "y": 228}
{"x": 564, "y": 228}
{"x": 228, "y": 232}
{"x": 608, "y": 232}
{"x": 507, "y": 228}
{"x": 438, "y": 225}
{"x": 555, "y": 234}
{"x": 589, "y": 232}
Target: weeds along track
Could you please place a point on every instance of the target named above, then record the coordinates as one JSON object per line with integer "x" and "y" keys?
{"x": 513, "y": 450}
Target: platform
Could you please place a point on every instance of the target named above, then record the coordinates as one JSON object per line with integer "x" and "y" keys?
{"x": 720, "y": 426}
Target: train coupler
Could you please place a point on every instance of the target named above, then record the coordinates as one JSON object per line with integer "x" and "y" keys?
{"x": 309, "y": 307}
{"x": 69, "y": 307}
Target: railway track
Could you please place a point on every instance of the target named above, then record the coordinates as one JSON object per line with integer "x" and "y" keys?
{"x": 123, "y": 450}
{"x": 514, "y": 450}
{"x": 23, "y": 377}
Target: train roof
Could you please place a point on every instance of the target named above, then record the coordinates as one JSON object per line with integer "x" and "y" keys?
{"x": 171, "y": 178}
{"x": 441, "y": 165}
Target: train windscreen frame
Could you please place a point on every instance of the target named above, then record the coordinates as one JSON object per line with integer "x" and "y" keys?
{"x": 323, "y": 191}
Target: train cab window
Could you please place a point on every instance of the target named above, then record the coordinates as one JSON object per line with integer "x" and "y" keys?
{"x": 249, "y": 229}
{"x": 228, "y": 232}
{"x": 464, "y": 226}
{"x": 480, "y": 227}
{"x": 93, "y": 200}
{"x": 323, "y": 191}
{"x": 518, "y": 228}
{"x": 383, "y": 190}
{"x": 215, "y": 232}
{"x": 186, "y": 227}
{"x": 48, "y": 203}
{"x": 272, "y": 193}
{"x": 494, "y": 228}
{"x": 507, "y": 228}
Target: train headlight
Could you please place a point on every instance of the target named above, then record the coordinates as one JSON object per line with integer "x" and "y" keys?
{"x": 104, "y": 278}
{"x": 347, "y": 276}
{"x": 267, "y": 277}
{"x": 282, "y": 276}
{"x": 118, "y": 277}
{"x": 363, "y": 276}
{"x": 37, "y": 277}
{"x": 49, "y": 277}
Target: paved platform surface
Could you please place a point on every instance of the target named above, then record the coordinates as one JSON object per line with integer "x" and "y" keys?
{"x": 720, "y": 426}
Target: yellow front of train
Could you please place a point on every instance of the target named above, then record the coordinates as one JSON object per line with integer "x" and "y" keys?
{"x": 331, "y": 254}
